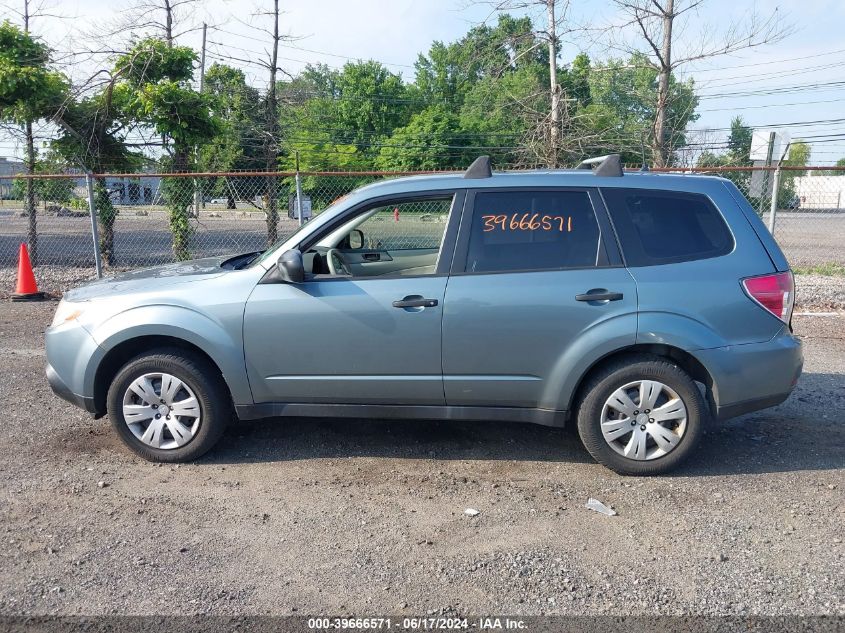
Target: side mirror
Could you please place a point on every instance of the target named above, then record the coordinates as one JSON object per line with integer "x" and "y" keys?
{"x": 356, "y": 238}
{"x": 290, "y": 267}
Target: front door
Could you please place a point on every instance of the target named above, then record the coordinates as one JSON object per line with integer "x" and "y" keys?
{"x": 535, "y": 290}
{"x": 369, "y": 331}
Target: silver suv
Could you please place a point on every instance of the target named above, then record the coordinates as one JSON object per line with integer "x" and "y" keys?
{"x": 638, "y": 305}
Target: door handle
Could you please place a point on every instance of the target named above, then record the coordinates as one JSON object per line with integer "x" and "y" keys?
{"x": 416, "y": 302}
{"x": 599, "y": 295}
{"x": 371, "y": 257}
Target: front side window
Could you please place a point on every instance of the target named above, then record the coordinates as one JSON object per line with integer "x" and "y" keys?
{"x": 405, "y": 225}
{"x": 661, "y": 227}
{"x": 401, "y": 237}
{"x": 533, "y": 230}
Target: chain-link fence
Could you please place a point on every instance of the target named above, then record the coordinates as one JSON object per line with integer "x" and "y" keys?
{"x": 148, "y": 219}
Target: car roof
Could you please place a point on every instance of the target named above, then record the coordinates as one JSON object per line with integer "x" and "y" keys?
{"x": 542, "y": 178}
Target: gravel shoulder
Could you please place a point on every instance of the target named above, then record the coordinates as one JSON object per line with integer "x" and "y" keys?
{"x": 365, "y": 517}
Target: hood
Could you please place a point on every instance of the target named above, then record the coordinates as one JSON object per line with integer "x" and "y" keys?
{"x": 147, "y": 279}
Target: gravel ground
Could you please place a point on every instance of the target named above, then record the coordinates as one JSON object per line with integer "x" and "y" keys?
{"x": 364, "y": 517}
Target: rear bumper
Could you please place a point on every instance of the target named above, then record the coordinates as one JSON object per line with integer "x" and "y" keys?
{"x": 754, "y": 376}
{"x": 65, "y": 393}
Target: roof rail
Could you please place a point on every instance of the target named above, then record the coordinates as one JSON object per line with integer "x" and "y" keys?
{"x": 610, "y": 165}
{"x": 480, "y": 168}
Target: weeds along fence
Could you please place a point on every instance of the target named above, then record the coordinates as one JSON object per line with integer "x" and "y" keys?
{"x": 145, "y": 219}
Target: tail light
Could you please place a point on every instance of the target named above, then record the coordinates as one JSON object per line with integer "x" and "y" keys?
{"x": 774, "y": 292}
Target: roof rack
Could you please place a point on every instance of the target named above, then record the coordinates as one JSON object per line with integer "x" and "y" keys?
{"x": 610, "y": 165}
{"x": 480, "y": 168}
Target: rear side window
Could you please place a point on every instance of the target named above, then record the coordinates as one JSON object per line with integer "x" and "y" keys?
{"x": 662, "y": 227}
{"x": 533, "y": 230}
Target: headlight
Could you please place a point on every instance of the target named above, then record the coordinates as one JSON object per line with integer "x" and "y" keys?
{"x": 67, "y": 311}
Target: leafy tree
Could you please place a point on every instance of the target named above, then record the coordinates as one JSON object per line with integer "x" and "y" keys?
{"x": 371, "y": 104}
{"x": 449, "y": 71}
{"x": 29, "y": 91}
{"x": 93, "y": 136}
{"x": 61, "y": 190}
{"x": 237, "y": 144}
{"x": 836, "y": 172}
{"x": 155, "y": 91}
{"x": 500, "y": 112}
{"x": 626, "y": 90}
{"x": 430, "y": 141}
{"x": 799, "y": 156}
{"x": 737, "y": 154}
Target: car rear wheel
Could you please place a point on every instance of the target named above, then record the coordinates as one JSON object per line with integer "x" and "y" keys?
{"x": 641, "y": 415}
{"x": 168, "y": 405}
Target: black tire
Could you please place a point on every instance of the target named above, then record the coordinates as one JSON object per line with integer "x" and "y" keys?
{"x": 203, "y": 379}
{"x": 619, "y": 373}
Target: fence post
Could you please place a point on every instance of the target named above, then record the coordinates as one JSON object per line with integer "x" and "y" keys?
{"x": 89, "y": 181}
{"x": 773, "y": 207}
{"x": 298, "y": 193}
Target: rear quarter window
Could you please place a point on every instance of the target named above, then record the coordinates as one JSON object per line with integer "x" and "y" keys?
{"x": 662, "y": 227}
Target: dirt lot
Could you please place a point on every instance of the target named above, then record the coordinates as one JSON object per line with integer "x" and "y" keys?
{"x": 316, "y": 517}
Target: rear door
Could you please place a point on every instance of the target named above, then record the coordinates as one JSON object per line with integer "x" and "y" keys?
{"x": 537, "y": 287}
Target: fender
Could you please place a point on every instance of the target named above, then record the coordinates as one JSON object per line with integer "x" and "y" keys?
{"x": 676, "y": 330}
{"x": 179, "y": 322}
{"x": 590, "y": 346}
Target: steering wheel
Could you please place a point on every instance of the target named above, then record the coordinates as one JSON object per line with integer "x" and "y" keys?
{"x": 336, "y": 263}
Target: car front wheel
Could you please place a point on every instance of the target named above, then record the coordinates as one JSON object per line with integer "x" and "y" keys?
{"x": 168, "y": 405}
{"x": 641, "y": 415}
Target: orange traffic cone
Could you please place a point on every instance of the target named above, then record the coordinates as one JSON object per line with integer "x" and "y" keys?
{"x": 27, "y": 289}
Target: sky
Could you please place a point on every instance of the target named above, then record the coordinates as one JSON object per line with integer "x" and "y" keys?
{"x": 779, "y": 86}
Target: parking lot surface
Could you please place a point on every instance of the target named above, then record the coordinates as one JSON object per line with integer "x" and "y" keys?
{"x": 367, "y": 517}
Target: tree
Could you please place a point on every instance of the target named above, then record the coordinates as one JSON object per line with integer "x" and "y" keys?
{"x": 737, "y": 154}
{"x": 547, "y": 133}
{"x": 654, "y": 23}
{"x": 836, "y": 172}
{"x": 430, "y": 141}
{"x": 29, "y": 91}
{"x": 93, "y": 136}
{"x": 622, "y": 98}
{"x": 238, "y": 144}
{"x": 155, "y": 91}
{"x": 799, "y": 156}
{"x": 371, "y": 104}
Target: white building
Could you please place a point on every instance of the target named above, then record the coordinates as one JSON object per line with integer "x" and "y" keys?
{"x": 820, "y": 192}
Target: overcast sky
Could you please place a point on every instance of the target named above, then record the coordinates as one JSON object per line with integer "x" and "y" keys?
{"x": 395, "y": 31}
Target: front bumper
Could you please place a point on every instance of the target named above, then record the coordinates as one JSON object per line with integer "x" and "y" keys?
{"x": 72, "y": 358}
{"x": 754, "y": 376}
{"x": 63, "y": 391}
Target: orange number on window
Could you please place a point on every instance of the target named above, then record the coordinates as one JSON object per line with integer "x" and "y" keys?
{"x": 489, "y": 223}
{"x": 526, "y": 222}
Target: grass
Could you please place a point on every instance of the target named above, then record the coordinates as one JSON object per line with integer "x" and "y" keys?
{"x": 830, "y": 269}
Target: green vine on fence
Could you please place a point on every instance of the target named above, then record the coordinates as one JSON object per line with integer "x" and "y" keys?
{"x": 178, "y": 194}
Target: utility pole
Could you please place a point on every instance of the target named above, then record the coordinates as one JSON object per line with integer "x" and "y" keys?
{"x": 271, "y": 131}
{"x": 32, "y": 233}
{"x": 554, "y": 119}
{"x": 668, "y": 17}
{"x": 202, "y": 57}
{"x": 197, "y": 185}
